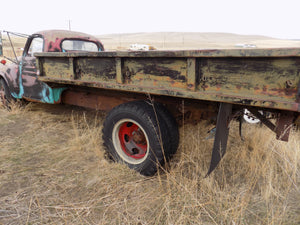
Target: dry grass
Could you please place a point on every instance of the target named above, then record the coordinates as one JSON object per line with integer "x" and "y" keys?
{"x": 53, "y": 171}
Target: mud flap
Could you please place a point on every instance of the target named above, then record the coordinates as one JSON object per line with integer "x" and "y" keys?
{"x": 221, "y": 137}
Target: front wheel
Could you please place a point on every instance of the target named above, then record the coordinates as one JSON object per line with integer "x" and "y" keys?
{"x": 5, "y": 96}
{"x": 137, "y": 136}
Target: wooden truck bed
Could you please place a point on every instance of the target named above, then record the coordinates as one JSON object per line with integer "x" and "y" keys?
{"x": 266, "y": 78}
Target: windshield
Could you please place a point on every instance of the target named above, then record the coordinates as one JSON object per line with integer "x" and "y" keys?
{"x": 36, "y": 46}
{"x": 79, "y": 45}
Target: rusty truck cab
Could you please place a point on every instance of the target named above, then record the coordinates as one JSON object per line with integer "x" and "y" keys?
{"x": 21, "y": 76}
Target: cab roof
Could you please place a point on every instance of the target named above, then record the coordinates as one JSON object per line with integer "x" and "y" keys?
{"x": 53, "y": 38}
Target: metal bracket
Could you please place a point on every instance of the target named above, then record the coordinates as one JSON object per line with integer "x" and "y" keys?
{"x": 221, "y": 137}
{"x": 241, "y": 120}
{"x": 282, "y": 127}
{"x": 298, "y": 95}
{"x": 262, "y": 119}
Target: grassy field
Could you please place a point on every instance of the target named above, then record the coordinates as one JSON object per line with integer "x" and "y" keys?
{"x": 18, "y": 44}
{"x": 53, "y": 170}
{"x": 178, "y": 41}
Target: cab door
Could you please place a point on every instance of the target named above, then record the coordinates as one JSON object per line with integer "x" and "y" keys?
{"x": 33, "y": 88}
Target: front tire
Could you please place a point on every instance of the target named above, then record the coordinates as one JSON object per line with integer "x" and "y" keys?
{"x": 137, "y": 136}
{"x": 5, "y": 96}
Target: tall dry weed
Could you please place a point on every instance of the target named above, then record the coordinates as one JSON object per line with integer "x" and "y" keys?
{"x": 253, "y": 182}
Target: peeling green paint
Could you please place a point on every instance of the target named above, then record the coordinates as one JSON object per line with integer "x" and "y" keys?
{"x": 21, "y": 88}
{"x": 54, "y": 95}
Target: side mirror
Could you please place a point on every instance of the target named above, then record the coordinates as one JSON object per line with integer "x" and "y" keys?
{"x": 1, "y": 48}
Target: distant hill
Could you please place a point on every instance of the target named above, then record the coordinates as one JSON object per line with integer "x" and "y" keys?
{"x": 190, "y": 40}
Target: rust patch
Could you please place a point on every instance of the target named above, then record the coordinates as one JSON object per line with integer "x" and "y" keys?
{"x": 91, "y": 100}
{"x": 284, "y": 125}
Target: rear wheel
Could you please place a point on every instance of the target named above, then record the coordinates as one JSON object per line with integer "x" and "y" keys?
{"x": 133, "y": 133}
{"x": 5, "y": 96}
{"x": 250, "y": 118}
{"x": 172, "y": 127}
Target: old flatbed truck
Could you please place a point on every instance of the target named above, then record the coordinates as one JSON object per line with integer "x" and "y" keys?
{"x": 147, "y": 92}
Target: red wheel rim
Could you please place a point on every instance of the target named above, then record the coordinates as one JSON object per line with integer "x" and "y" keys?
{"x": 132, "y": 140}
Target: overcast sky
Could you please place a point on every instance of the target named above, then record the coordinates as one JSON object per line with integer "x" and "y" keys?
{"x": 274, "y": 18}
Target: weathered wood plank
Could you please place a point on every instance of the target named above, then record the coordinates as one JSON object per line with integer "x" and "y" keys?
{"x": 191, "y": 74}
{"x": 270, "y": 82}
{"x": 119, "y": 75}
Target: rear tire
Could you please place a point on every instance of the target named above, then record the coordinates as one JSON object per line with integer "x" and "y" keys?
{"x": 133, "y": 133}
{"x": 172, "y": 126}
{"x": 249, "y": 118}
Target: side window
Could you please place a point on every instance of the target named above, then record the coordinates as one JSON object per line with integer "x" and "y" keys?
{"x": 35, "y": 46}
{"x": 79, "y": 45}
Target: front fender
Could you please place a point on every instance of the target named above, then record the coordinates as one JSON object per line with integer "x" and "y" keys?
{"x": 3, "y": 75}
{"x": 10, "y": 73}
